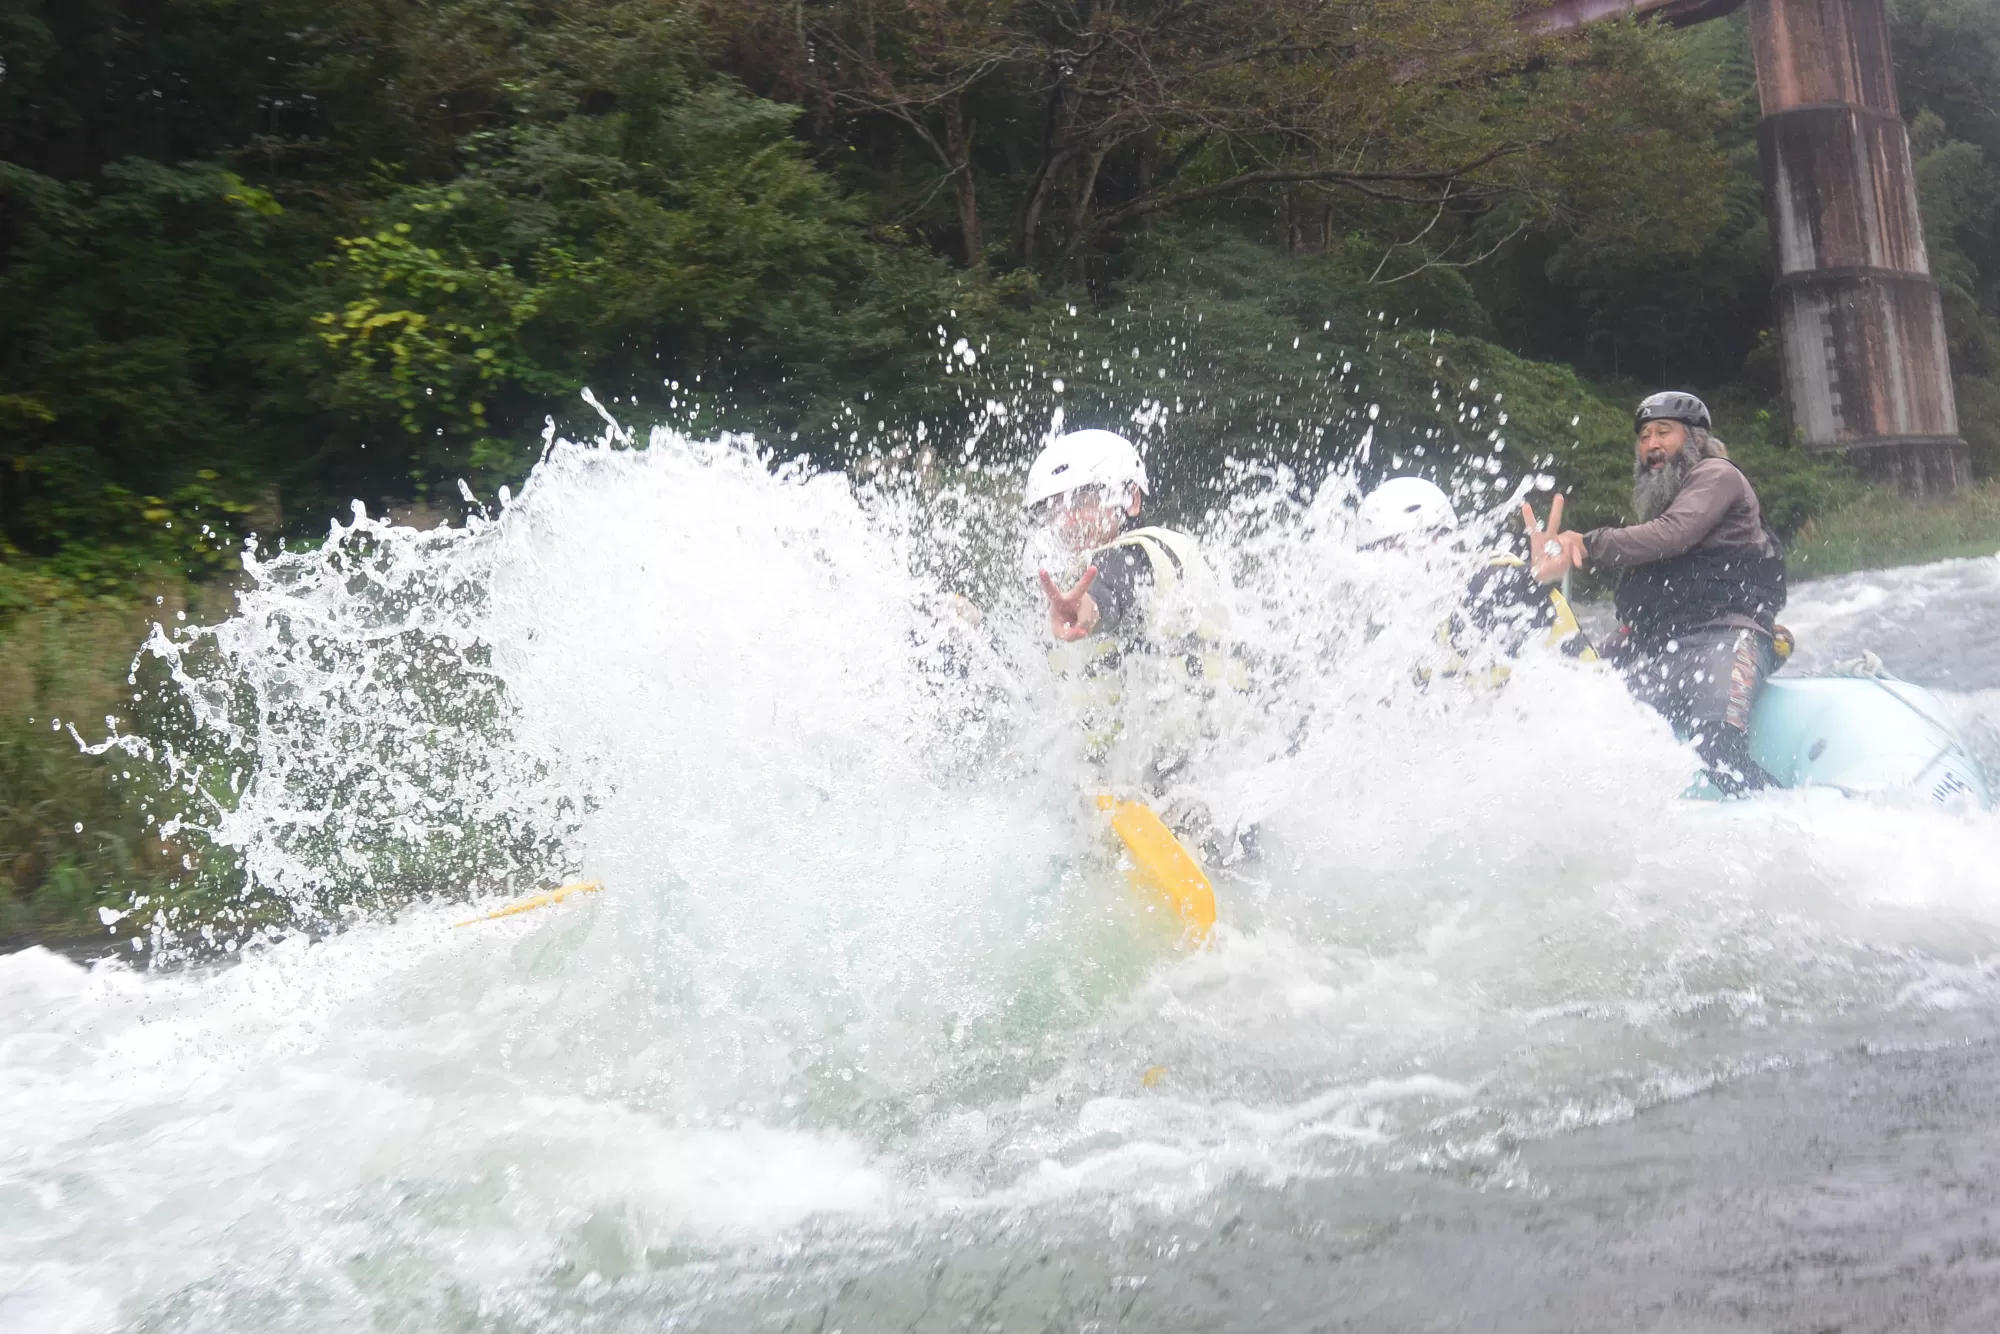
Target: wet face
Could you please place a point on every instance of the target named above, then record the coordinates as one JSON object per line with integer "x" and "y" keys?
{"x": 1660, "y": 442}
{"x": 1662, "y": 460}
{"x": 1087, "y": 517}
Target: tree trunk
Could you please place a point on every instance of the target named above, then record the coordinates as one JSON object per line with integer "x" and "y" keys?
{"x": 1148, "y": 146}
{"x": 1079, "y": 211}
{"x": 1054, "y": 131}
{"x": 958, "y": 142}
{"x": 1037, "y": 200}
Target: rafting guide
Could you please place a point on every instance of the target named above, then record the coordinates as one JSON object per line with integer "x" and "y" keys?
{"x": 1701, "y": 580}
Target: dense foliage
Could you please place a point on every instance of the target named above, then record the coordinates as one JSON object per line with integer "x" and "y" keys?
{"x": 262, "y": 257}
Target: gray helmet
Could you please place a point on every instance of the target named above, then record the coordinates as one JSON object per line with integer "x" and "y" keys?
{"x": 1672, "y": 406}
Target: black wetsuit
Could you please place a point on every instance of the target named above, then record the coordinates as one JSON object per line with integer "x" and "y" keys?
{"x": 1124, "y": 579}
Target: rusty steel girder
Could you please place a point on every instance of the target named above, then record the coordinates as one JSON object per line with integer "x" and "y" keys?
{"x": 1861, "y": 326}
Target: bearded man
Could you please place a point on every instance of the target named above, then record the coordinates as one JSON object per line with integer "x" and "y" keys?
{"x": 1701, "y": 580}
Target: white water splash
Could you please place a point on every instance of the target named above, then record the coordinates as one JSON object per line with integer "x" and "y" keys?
{"x": 862, "y": 956}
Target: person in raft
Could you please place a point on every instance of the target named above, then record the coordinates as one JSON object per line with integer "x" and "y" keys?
{"x": 1138, "y": 586}
{"x": 1701, "y": 580}
{"x": 1503, "y": 601}
{"x": 1136, "y": 614}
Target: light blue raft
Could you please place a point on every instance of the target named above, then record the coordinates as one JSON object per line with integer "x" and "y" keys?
{"x": 1863, "y": 735}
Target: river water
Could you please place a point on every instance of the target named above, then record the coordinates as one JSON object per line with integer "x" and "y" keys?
{"x": 863, "y": 1032}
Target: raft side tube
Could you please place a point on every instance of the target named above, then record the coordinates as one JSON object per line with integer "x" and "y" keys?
{"x": 1865, "y": 736}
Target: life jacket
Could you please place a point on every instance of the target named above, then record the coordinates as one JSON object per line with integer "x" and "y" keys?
{"x": 1186, "y": 618}
{"x": 1186, "y": 598}
{"x": 1663, "y": 598}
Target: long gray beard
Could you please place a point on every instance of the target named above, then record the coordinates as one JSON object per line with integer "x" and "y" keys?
{"x": 1653, "y": 491}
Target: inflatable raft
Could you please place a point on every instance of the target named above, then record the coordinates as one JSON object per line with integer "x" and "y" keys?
{"x": 1867, "y": 734}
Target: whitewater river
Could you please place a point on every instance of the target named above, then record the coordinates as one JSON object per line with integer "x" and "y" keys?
{"x": 863, "y": 1032}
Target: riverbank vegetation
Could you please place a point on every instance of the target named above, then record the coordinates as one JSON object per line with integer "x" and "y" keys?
{"x": 262, "y": 258}
{"x": 1881, "y": 528}
{"x": 79, "y": 833}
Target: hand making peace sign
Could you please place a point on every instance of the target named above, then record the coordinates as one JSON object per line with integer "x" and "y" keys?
{"x": 1552, "y": 553}
{"x": 1072, "y": 614}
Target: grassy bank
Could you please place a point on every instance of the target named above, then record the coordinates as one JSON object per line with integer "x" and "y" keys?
{"x": 1882, "y": 529}
{"x": 74, "y": 834}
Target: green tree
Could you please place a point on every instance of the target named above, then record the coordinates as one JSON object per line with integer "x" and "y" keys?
{"x": 1948, "y": 61}
{"x": 1406, "y": 121}
{"x": 136, "y": 322}
{"x": 633, "y": 221}
{"x": 1676, "y": 291}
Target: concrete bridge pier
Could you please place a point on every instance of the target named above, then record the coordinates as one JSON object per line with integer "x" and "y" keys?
{"x": 1860, "y": 323}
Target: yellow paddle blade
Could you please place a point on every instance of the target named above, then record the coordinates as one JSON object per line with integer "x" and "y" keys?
{"x": 1161, "y": 869}
{"x": 534, "y": 901}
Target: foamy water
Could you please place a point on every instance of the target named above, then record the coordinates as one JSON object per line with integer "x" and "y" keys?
{"x": 862, "y": 967}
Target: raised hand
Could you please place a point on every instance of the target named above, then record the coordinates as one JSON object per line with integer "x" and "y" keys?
{"x": 1072, "y": 612}
{"x": 1552, "y": 553}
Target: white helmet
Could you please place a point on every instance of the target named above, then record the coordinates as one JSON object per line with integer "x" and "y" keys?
{"x": 1400, "y": 507}
{"x": 1085, "y": 458}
